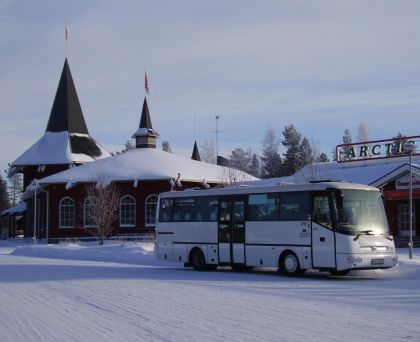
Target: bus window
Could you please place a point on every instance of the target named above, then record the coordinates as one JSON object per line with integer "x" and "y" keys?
{"x": 322, "y": 213}
{"x": 294, "y": 206}
{"x": 183, "y": 210}
{"x": 263, "y": 207}
{"x": 205, "y": 209}
{"x": 165, "y": 211}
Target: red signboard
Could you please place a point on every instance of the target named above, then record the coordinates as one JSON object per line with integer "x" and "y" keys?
{"x": 376, "y": 149}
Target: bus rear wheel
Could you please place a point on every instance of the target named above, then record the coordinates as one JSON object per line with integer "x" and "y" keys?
{"x": 289, "y": 264}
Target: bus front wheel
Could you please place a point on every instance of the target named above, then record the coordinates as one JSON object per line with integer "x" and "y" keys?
{"x": 198, "y": 261}
{"x": 289, "y": 264}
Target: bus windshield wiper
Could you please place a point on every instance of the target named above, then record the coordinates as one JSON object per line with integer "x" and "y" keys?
{"x": 363, "y": 232}
{"x": 387, "y": 237}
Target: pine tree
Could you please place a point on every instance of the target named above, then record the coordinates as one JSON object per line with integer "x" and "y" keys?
{"x": 292, "y": 142}
{"x": 240, "y": 159}
{"x": 306, "y": 155}
{"x": 4, "y": 196}
{"x": 346, "y": 149}
{"x": 4, "y": 201}
{"x": 254, "y": 168}
{"x": 271, "y": 163}
{"x": 322, "y": 158}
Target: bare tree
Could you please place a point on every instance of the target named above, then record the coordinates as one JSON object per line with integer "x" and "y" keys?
{"x": 166, "y": 146}
{"x": 363, "y": 132}
{"x": 208, "y": 153}
{"x": 101, "y": 209}
{"x": 230, "y": 176}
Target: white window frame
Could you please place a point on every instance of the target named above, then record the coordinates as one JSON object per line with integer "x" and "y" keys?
{"x": 147, "y": 210}
{"x": 60, "y": 209}
{"x": 84, "y": 213}
{"x": 125, "y": 225}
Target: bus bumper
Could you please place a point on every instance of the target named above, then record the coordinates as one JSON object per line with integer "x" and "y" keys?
{"x": 366, "y": 261}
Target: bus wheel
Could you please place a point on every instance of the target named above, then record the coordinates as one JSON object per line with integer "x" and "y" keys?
{"x": 289, "y": 264}
{"x": 198, "y": 261}
{"x": 339, "y": 273}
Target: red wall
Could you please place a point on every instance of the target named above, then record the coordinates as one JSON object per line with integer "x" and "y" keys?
{"x": 78, "y": 194}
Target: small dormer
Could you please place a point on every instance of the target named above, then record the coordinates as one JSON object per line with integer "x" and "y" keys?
{"x": 145, "y": 136}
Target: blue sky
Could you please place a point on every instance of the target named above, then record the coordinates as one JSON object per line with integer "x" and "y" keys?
{"x": 322, "y": 65}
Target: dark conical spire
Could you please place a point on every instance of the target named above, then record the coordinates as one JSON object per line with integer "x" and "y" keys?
{"x": 66, "y": 113}
{"x": 196, "y": 155}
{"x": 145, "y": 121}
{"x": 145, "y": 136}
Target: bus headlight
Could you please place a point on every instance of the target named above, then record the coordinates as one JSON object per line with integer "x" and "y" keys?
{"x": 354, "y": 260}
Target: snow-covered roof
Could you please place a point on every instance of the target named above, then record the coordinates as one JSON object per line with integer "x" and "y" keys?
{"x": 146, "y": 164}
{"x": 55, "y": 148}
{"x": 20, "y": 208}
{"x": 372, "y": 172}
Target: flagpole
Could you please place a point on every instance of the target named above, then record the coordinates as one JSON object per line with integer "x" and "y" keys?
{"x": 65, "y": 40}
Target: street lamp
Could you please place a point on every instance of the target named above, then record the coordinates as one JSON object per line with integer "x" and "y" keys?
{"x": 410, "y": 148}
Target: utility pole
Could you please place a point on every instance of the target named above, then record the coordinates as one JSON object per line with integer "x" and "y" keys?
{"x": 217, "y": 136}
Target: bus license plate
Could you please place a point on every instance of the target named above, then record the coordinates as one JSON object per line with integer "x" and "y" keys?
{"x": 377, "y": 262}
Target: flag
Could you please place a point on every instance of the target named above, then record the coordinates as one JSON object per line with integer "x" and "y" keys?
{"x": 146, "y": 84}
{"x": 65, "y": 33}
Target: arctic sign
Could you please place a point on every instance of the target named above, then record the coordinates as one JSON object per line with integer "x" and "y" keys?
{"x": 377, "y": 149}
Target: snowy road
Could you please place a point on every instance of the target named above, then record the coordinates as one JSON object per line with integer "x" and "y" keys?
{"x": 75, "y": 293}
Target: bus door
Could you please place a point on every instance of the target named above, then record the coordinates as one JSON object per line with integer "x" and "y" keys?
{"x": 232, "y": 230}
{"x": 323, "y": 238}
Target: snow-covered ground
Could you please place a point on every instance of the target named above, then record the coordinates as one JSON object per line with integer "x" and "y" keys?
{"x": 120, "y": 292}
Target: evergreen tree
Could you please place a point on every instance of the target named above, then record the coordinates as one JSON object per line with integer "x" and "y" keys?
{"x": 254, "y": 168}
{"x": 4, "y": 200}
{"x": 292, "y": 143}
{"x": 4, "y": 196}
{"x": 345, "y": 150}
{"x": 271, "y": 163}
{"x": 322, "y": 158}
{"x": 166, "y": 146}
{"x": 398, "y": 144}
{"x": 240, "y": 159}
{"x": 306, "y": 155}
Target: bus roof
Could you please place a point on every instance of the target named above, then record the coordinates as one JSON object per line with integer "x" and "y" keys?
{"x": 264, "y": 189}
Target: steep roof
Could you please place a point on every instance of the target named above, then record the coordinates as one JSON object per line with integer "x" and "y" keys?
{"x": 145, "y": 127}
{"x": 66, "y": 139}
{"x": 195, "y": 154}
{"x": 66, "y": 113}
{"x": 144, "y": 164}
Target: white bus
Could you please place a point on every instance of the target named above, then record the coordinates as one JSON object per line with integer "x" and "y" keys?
{"x": 326, "y": 226}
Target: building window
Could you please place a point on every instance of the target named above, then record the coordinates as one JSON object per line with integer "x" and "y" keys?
{"x": 404, "y": 219}
{"x": 127, "y": 211}
{"x": 66, "y": 213}
{"x": 150, "y": 210}
{"x": 90, "y": 212}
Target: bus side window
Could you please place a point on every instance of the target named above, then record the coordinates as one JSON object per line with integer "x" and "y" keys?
{"x": 165, "y": 212}
{"x": 294, "y": 206}
{"x": 205, "y": 209}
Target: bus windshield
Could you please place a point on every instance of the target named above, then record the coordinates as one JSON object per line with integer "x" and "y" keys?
{"x": 361, "y": 211}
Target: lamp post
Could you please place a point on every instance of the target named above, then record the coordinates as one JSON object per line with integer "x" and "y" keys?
{"x": 409, "y": 148}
